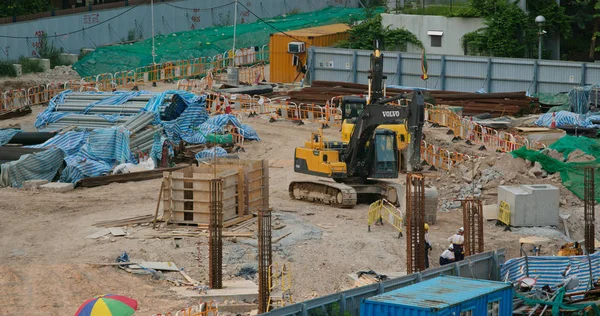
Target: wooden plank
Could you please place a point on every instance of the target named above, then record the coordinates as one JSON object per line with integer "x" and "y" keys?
{"x": 188, "y": 278}
{"x": 236, "y": 221}
{"x": 163, "y": 266}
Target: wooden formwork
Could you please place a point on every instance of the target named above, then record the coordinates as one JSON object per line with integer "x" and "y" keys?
{"x": 186, "y": 192}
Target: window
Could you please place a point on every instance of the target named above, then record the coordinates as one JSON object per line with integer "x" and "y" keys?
{"x": 436, "y": 41}
{"x": 467, "y": 313}
{"x": 493, "y": 308}
{"x": 436, "y": 38}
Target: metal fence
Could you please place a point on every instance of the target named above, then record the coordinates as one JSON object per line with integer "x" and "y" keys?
{"x": 481, "y": 266}
{"x": 454, "y": 73}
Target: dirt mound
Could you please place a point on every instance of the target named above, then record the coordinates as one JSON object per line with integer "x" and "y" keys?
{"x": 58, "y": 74}
{"x": 580, "y": 156}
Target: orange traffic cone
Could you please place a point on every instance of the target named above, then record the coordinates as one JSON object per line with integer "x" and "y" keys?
{"x": 553, "y": 124}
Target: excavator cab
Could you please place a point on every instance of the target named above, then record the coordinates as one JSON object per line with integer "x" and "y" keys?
{"x": 385, "y": 155}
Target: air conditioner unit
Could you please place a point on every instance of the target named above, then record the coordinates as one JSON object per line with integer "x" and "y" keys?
{"x": 296, "y": 47}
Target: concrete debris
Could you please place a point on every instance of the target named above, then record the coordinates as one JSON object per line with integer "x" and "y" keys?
{"x": 580, "y": 156}
{"x": 33, "y": 184}
{"x": 58, "y": 187}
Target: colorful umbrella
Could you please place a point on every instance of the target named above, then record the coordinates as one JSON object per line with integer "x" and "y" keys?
{"x": 108, "y": 305}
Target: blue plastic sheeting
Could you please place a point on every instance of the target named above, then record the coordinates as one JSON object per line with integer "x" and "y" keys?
{"x": 7, "y": 134}
{"x": 564, "y": 118}
{"x": 215, "y": 123}
{"x": 118, "y": 99}
{"x": 70, "y": 142}
{"x": 39, "y": 166}
{"x": 211, "y": 152}
{"x": 103, "y": 149}
{"x": 182, "y": 128}
{"x": 548, "y": 270}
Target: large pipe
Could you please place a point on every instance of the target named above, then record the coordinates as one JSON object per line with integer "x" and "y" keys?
{"x": 14, "y": 153}
{"x": 30, "y": 138}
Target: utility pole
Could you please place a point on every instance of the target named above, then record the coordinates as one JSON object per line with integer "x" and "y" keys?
{"x": 153, "y": 51}
{"x": 234, "y": 29}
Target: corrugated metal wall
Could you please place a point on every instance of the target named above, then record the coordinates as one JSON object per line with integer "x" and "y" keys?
{"x": 97, "y": 28}
{"x": 455, "y": 73}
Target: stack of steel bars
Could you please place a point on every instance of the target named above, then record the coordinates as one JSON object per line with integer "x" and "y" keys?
{"x": 496, "y": 104}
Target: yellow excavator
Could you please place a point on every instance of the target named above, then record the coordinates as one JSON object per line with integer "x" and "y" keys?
{"x": 371, "y": 152}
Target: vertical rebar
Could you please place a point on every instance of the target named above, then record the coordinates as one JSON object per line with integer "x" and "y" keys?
{"x": 415, "y": 222}
{"x": 473, "y": 224}
{"x": 589, "y": 210}
{"x": 265, "y": 258}
{"x": 215, "y": 246}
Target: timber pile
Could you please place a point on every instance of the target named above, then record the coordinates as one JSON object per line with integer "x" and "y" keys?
{"x": 497, "y": 104}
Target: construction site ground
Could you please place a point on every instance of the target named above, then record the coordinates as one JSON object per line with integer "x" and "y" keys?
{"x": 45, "y": 255}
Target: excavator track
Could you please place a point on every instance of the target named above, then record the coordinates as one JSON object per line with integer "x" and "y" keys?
{"x": 330, "y": 193}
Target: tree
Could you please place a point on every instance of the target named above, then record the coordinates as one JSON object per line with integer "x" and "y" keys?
{"x": 22, "y": 7}
{"x": 362, "y": 36}
{"x": 510, "y": 32}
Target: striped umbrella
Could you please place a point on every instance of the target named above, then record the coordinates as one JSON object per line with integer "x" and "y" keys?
{"x": 108, "y": 305}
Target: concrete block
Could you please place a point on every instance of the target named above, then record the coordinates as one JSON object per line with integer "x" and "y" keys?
{"x": 85, "y": 51}
{"x": 490, "y": 212}
{"x": 69, "y": 58}
{"x": 58, "y": 187}
{"x": 531, "y": 205}
{"x": 18, "y": 69}
{"x": 45, "y": 63}
{"x": 237, "y": 308}
{"x": 34, "y": 184}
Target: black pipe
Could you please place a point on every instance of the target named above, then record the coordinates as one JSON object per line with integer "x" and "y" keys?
{"x": 14, "y": 153}
{"x": 31, "y": 138}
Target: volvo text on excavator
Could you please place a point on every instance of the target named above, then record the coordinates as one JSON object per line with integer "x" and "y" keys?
{"x": 370, "y": 154}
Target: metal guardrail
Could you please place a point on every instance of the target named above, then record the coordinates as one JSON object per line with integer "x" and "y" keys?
{"x": 481, "y": 266}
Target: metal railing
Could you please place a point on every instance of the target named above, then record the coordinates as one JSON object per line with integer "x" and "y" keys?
{"x": 481, "y": 266}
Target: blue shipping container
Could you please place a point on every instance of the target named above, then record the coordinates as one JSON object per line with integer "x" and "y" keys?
{"x": 445, "y": 295}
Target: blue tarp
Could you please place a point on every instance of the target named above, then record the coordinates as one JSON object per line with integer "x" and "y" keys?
{"x": 7, "y": 134}
{"x": 564, "y": 118}
{"x": 212, "y": 152}
{"x": 43, "y": 165}
{"x": 548, "y": 270}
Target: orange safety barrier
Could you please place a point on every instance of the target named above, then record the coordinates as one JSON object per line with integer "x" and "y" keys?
{"x": 442, "y": 158}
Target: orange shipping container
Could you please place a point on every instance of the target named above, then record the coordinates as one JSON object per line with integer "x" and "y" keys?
{"x": 283, "y": 68}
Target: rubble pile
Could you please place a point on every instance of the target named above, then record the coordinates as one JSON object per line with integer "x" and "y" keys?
{"x": 481, "y": 179}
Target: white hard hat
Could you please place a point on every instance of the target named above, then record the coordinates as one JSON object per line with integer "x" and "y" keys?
{"x": 462, "y": 229}
{"x": 450, "y": 247}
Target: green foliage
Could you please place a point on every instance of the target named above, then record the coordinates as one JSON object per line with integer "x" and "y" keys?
{"x": 30, "y": 65}
{"x": 363, "y": 35}
{"x": 509, "y": 31}
{"x": 47, "y": 50}
{"x": 22, "y": 7}
{"x": 463, "y": 11}
{"x": 7, "y": 69}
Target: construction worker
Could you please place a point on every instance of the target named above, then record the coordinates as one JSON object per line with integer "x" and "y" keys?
{"x": 447, "y": 256}
{"x": 427, "y": 246}
{"x": 457, "y": 241}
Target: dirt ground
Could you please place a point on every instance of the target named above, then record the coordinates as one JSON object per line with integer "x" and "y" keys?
{"x": 44, "y": 254}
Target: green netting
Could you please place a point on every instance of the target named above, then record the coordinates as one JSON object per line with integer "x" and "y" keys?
{"x": 559, "y": 101}
{"x": 206, "y": 42}
{"x": 571, "y": 173}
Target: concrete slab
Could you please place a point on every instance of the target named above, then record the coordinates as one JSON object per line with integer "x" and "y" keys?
{"x": 237, "y": 290}
{"x": 98, "y": 234}
{"x": 34, "y": 184}
{"x": 237, "y": 308}
{"x": 58, "y": 187}
{"x": 490, "y": 212}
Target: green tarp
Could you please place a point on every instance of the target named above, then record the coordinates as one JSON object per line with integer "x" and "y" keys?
{"x": 571, "y": 173}
{"x": 206, "y": 42}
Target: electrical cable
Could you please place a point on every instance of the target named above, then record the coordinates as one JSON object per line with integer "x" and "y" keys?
{"x": 267, "y": 23}
{"x": 199, "y": 10}
{"x": 78, "y": 31}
